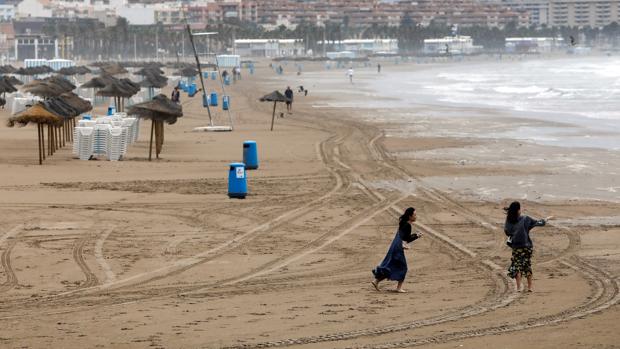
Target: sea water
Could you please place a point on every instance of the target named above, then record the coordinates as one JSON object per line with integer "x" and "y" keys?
{"x": 578, "y": 96}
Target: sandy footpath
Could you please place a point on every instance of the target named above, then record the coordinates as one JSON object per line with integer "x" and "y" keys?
{"x": 138, "y": 254}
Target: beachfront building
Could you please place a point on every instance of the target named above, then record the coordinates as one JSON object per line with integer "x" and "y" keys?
{"x": 451, "y": 45}
{"x": 362, "y": 47}
{"x": 583, "y": 13}
{"x": 533, "y": 45}
{"x": 269, "y": 47}
{"x": 538, "y": 10}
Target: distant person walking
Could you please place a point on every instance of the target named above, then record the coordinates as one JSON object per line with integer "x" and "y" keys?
{"x": 176, "y": 95}
{"x": 517, "y": 228}
{"x": 394, "y": 265}
{"x": 350, "y": 74}
{"x": 379, "y": 68}
{"x": 289, "y": 99}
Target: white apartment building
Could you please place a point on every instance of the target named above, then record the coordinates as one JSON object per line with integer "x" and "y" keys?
{"x": 537, "y": 9}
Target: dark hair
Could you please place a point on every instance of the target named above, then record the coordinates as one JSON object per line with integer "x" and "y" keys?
{"x": 512, "y": 212}
{"x": 408, "y": 213}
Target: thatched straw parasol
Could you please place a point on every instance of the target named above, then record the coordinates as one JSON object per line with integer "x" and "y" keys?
{"x": 52, "y": 86}
{"x": 160, "y": 109}
{"x": 13, "y": 80}
{"x": 39, "y": 115}
{"x": 7, "y": 69}
{"x": 119, "y": 89}
{"x": 6, "y": 86}
{"x": 149, "y": 70}
{"x": 113, "y": 69}
{"x": 187, "y": 72}
{"x": 274, "y": 97}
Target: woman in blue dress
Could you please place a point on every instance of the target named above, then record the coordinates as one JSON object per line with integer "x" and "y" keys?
{"x": 394, "y": 265}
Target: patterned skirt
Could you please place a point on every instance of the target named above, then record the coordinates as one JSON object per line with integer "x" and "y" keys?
{"x": 521, "y": 262}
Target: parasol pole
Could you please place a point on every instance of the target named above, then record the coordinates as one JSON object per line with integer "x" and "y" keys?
{"x": 43, "y": 140}
{"x": 202, "y": 83}
{"x": 151, "y": 143}
{"x": 39, "y": 143}
{"x": 273, "y": 115}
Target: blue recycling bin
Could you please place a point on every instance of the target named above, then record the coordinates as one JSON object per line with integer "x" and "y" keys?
{"x": 237, "y": 182}
{"x": 205, "y": 100}
{"x": 213, "y": 75}
{"x": 213, "y": 99}
{"x": 225, "y": 102}
{"x": 250, "y": 155}
{"x": 111, "y": 110}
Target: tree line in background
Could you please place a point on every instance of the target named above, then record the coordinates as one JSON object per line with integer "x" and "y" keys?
{"x": 92, "y": 40}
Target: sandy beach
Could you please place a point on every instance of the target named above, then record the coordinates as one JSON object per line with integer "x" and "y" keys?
{"x": 139, "y": 254}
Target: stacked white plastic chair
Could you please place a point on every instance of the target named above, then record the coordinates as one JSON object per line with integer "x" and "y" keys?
{"x": 85, "y": 141}
{"x": 76, "y": 135}
{"x": 101, "y": 137}
{"x": 116, "y": 143}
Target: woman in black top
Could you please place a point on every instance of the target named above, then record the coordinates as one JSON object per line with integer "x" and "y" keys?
{"x": 517, "y": 228}
{"x": 394, "y": 265}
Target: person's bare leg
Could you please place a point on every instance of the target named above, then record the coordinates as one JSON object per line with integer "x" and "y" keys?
{"x": 399, "y": 287}
{"x": 518, "y": 279}
{"x": 529, "y": 283}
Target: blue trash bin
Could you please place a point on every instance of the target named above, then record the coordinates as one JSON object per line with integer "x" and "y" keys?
{"x": 213, "y": 99}
{"x": 237, "y": 183}
{"x": 250, "y": 155}
{"x": 111, "y": 110}
{"x": 227, "y": 80}
{"x": 191, "y": 90}
{"x": 185, "y": 87}
{"x": 205, "y": 75}
{"x": 225, "y": 102}
{"x": 86, "y": 117}
{"x": 182, "y": 85}
{"x": 205, "y": 100}
{"x": 213, "y": 75}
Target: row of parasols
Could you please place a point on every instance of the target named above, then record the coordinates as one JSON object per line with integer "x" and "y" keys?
{"x": 55, "y": 114}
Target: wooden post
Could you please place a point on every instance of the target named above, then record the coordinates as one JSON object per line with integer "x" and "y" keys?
{"x": 273, "y": 116}
{"x": 43, "y": 140}
{"x": 151, "y": 143}
{"x": 39, "y": 143}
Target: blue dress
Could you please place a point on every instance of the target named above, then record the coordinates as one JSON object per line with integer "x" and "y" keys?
{"x": 394, "y": 265}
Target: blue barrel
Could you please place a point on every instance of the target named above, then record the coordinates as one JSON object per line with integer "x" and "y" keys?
{"x": 213, "y": 75}
{"x": 213, "y": 99}
{"x": 250, "y": 155}
{"x": 205, "y": 100}
{"x": 225, "y": 102}
{"x": 111, "y": 110}
{"x": 237, "y": 183}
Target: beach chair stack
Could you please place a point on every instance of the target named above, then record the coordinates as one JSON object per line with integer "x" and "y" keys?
{"x": 83, "y": 142}
{"x": 116, "y": 143}
{"x": 105, "y": 137}
{"x": 101, "y": 137}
